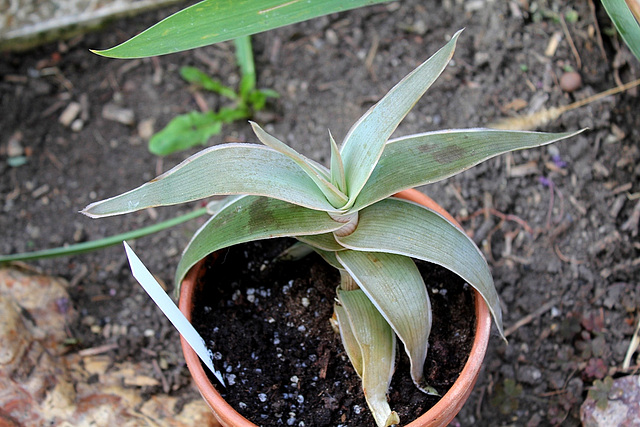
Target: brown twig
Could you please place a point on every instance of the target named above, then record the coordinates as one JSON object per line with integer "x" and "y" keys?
{"x": 632, "y": 223}
{"x": 502, "y": 216}
{"x": 597, "y": 28}
{"x": 94, "y": 351}
{"x": 571, "y": 44}
{"x": 564, "y": 258}
{"x": 530, "y": 317}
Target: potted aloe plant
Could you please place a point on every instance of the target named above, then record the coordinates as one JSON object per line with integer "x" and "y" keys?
{"x": 347, "y": 213}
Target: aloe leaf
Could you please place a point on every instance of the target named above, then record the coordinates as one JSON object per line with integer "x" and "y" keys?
{"x": 213, "y": 21}
{"x": 366, "y": 139}
{"x": 335, "y": 196}
{"x": 405, "y": 228}
{"x": 221, "y": 170}
{"x": 200, "y": 78}
{"x": 248, "y": 218}
{"x": 394, "y": 285}
{"x": 625, "y": 23}
{"x": 322, "y": 241}
{"x": 337, "y": 167}
{"x": 295, "y": 252}
{"x": 371, "y": 346}
{"x": 348, "y": 339}
{"x": 328, "y": 256}
{"x": 424, "y": 158}
{"x": 185, "y": 131}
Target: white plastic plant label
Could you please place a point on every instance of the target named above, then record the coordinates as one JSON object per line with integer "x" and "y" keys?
{"x": 169, "y": 308}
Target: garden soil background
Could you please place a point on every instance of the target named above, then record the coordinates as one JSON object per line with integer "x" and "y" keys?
{"x": 558, "y": 225}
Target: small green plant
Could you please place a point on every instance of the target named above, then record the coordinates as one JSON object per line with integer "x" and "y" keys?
{"x": 600, "y": 392}
{"x": 347, "y": 214}
{"x": 195, "y": 128}
{"x": 507, "y": 396}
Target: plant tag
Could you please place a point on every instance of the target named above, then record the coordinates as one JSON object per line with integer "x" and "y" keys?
{"x": 170, "y": 309}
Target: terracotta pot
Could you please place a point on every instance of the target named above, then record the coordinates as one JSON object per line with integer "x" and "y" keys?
{"x": 439, "y": 415}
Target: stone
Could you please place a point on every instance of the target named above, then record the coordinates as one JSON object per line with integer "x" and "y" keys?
{"x": 40, "y": 384}
{"x": 620, "y": 407}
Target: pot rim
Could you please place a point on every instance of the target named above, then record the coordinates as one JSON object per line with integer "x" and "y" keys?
{"x": 439, "y": 415}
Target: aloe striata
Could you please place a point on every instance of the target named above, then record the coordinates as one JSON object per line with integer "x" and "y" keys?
{"x": 347, "y": 214}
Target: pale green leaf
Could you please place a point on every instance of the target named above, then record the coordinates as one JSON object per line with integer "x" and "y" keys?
{"x": 349, "y": 341}
{"x": 371, "y": 346}
{"x": 337, "y": 167}
{"x": 625, "y": 23}
{"x": 366, "y": 139}
{"x": 322, "y": 241}
{"x": 424, "y": 158}
{"x": 221, "y": 170}
{"x": 328, "y": 256}
{"x": 248, "y": 218}
{"x": 335, "y": 196}
{"x": 295, "y": 252}
{"x": 394, "y": 285}
{"x": 213, "y": 21}
{"x": 405, "y": 228}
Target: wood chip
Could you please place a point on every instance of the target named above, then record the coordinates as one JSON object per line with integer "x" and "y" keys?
{"x": 552, "y": 46}
{"x": 70, "y": 114}
{"x": 516, "y": 105}
{"x": 141, "y": 381}
{"x": 617, "y": 206}
{"x": 529, "y": 168}
{"x": 118, "y": 114}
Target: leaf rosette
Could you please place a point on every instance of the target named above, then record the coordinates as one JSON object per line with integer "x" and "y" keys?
{"x": 347, "y": 213}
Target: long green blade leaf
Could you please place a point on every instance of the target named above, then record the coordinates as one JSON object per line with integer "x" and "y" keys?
{"x": 335, "y": 196}
{"x": 405, "y": 228}
{"x": 221, "y": 170}
{"x": 429, "y": 157}
{"x": 625, "y": 23}
{"x": 94, "y": 245}
{"x": 366, "y": 140}
{"x": 213, "y": 21}
{"x": 248, "y": 218}
{"x": 394, "y": 285}
{"x": 371, "y": 346}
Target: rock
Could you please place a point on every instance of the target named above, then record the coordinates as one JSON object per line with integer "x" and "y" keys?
{"x": 570, "y": 81}
{"x": 145, "y": 128}
{"x": 70, "y": 114}
{"x": 13, "y": 333}
{"x": 40, "y": 385}
{"x": 118, "y": 114}
{"x": 529, "y": 375}
{"x": 620, "y": 406}
{"x": 14, "y": 146}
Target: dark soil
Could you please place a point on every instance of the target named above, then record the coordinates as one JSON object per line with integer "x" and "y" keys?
{"x": 558, "y": 225}
{"x": 268, "y": 326}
